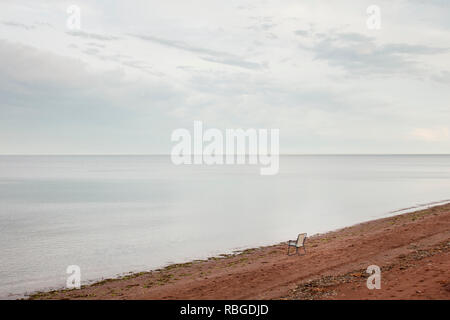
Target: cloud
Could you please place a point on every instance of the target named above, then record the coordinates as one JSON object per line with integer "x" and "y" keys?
{"x": 432, "y": 134}
{"x": 402, "y": 48}
{"x": 304, "y": 33}
{"x": 124, "y": 60}
{"x": 90, "y": 35}
{"x": 51, "y": 102}
{"x": 358, "y": 53}
{"x": 98, "y": 45}
{"x": 235, "y": 62}
{"x": 442, "y": 76}
{"x": 17, "y": 25}
{"x": 205, "y": 54}
{"x": 45, "y": 74}
{"x": 20, "y": 25}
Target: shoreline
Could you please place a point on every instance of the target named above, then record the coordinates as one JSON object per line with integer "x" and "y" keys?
{"x": 408, "y": 239}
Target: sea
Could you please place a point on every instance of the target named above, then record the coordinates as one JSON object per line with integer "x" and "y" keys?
{"x": 112, "y": 215}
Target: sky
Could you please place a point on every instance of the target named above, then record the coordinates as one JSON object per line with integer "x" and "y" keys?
{"x": 137, "y": 70}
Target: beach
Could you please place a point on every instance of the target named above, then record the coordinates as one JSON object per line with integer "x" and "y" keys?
{"x": 411, "y": 249}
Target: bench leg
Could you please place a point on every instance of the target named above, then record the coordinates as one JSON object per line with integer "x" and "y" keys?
{"x": 289, "y": 251}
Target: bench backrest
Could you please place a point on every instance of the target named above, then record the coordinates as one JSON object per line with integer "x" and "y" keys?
{"x": 301, "y": 239}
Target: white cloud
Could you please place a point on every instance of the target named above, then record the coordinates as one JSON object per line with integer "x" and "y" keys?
{"x": 432, "y": 134}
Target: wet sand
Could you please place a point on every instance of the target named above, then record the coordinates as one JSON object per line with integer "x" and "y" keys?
{"x": 412, "y": 250}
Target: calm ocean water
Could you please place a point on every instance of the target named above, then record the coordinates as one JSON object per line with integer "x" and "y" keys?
{"x": 115, "y": 214}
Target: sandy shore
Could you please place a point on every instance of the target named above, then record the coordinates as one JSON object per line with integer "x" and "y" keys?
{"x": 412, "y": 250}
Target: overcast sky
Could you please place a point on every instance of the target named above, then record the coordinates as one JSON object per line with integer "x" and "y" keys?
{"x": 137, "y": 70}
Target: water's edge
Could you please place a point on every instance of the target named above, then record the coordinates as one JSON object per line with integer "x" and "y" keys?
{"x": 235, "y": 251}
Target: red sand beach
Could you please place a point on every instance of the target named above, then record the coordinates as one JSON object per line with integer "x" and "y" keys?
{"x": 412, "y": 250}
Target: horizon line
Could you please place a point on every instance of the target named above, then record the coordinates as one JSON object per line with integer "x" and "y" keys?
{"x": 168, "y": 154}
